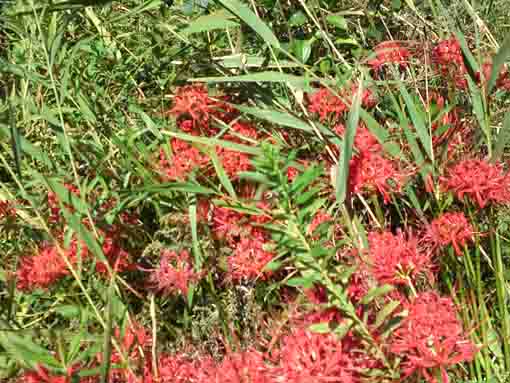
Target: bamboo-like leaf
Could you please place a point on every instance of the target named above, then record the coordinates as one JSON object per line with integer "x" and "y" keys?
{"x": 208, "y": 141}
{"x": 385, "y": 312}
{"x": 267, "y": 76}
{"x": 222, "y": 175}
{"x": 418, "y": 121}
{"x": 342, "y": 178}
{"x": 209, "y": 23}
{"x": 497, "y": 63}
{"x": 276, "y": 117}
{"x": 376, "y": 292}
{"x": 502, "y": 139}
{"x": 251, "y": 19}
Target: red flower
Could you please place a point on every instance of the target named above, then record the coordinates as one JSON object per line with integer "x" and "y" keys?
{"x": 233, "y": 161}
{"x": 54, "y": 206}
{"x": 193, "y": 102}
{"x": 249, "y": 259}
{"x": 326, "y": 104}
{"x": 431, "y": 337}
{"x": 450, "y": 229}
{"x": 393, "y": 259}
{"x": 185, "y": 159}
{"x": 318, "y": 220}
{"x": 364, "y": 141}
{"x": 47, "y": 267}
{"x": 479, "y": 180}
{"x": 305, "y": 356}
{"x": 370, "y": 172}
{"x": 177, "y": 369}
{"x": 175, "y": 273}
{"x": 242, "y": 367}
{"x": 447, "y": 56}
{"x": 503, "y": 79}
{"x": 389, "y": 52}
{"x": 117, "y": 257}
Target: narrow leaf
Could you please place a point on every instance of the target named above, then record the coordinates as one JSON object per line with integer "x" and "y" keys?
{"x": 497, "y": 63}
{"x": 250, "y": 18}
{"x": 342, "y": 178}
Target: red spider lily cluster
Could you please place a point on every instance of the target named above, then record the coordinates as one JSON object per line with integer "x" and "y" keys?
{"x": 198, "y": 114}
{"x": 395, "y": 242}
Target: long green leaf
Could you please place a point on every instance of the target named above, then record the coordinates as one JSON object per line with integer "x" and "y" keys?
{"x": 222, "y": 175}
{"x": 208, "y": 141}
{"x": 208, "y": 23}
{"x": 267, "y": 76}
{"x": 418, "y": 121}
{"x": 497, "y": 63}
{"x": 276, "y": 117}
{"x": 503, "y": 138}
{"x": 246, "y": 15}
{"x": 342, "y": 178}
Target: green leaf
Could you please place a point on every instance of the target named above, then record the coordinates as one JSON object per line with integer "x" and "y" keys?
{"x": 108, "y": 334}
{"x": 209, "y": 141}
{"x": 303, "y": 49}
{"x": 497, "y": 63}
{"x": 276, "y": 117}
{"x": 502, "y": 139}
{"x": 337, "y": 21}
{"x": 385, "y": 312}
{"x": 418, "y": 121}
{"x": 208, "y": 23}
{"x": 194, "y": 236}
{"x": 246, "y": 15}
{"x": 376, "y": 292}
{"x": 342, "y": 180}
{"x": 24, "y": 350}
{"x": 320, "y": 328}
{"x": 222, "y": 175}
{"x": 297, "y": 19}
{"x": 267, "y": 76}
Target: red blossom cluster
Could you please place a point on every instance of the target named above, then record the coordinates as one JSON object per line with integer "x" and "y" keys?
{"x": 450, "y": 229}
{"x": 447, "y": 56}
{"x": 175, "y": 273}
{"x": 48, "y": 265}
{"x": 331, "y": 106}
{"x": 196, "y": 113}
{"x": 431, "y": 336}
{"x": 389, "y": 52}
{"x": 482, "y": 182}
{"x": 395, "y": 259}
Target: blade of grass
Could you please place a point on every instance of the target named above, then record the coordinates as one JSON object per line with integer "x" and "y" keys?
{"x": 342, "y": 180}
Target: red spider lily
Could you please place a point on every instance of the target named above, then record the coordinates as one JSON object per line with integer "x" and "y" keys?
{"x": 389, "y": 52}
{"x": 175, "y": 273}
{"x": 370, "y": 172}
{"x": 326, "y": 104}
{"x": 395, "y": 259}
{"x": 47, "y": 266}
{"x": 364, "y": 141}
{"x": 447, "y": 56}
{"x": 242, "y": 367}
{"x": 184, "y": 160}
{"x": 229, "y": 224}
{"x": 331, "y": 106}
{"x": 42, "y": 375}
{"x": 479, "y": 180}
{"x": 305, "y": 357}
{"x": 319, "y": 218}
{"x": 240, "y": 131}
{"x": 176, "y": 369}
{"x": 450, "y": 229}
{"x": 503, "y": 79}
{"x": 249, "y": 260}
{"x": 117, "y": 257}
{"x": 192, "y": 102}
{"x": 233, "y": 161}
{"x": 431, "y": 337}
{"x": 54, "y": 205}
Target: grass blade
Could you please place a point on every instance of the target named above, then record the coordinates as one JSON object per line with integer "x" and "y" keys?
{"x": 252, "y": 20}
{"x": 497, "y": 63}
{"x": 342, "y": 178}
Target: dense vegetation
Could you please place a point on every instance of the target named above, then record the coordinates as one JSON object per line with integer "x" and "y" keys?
{"x": 254, "y": 191}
